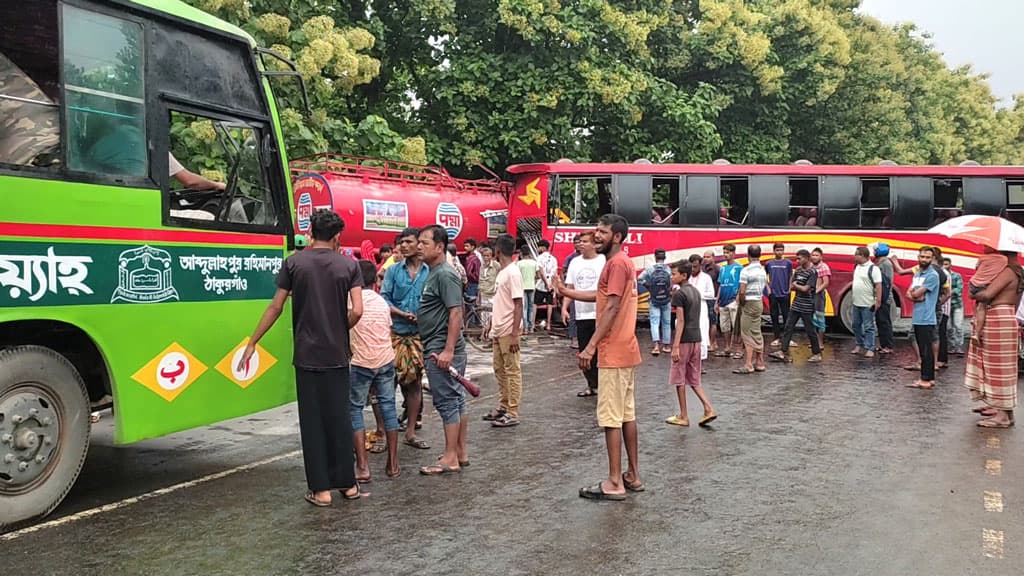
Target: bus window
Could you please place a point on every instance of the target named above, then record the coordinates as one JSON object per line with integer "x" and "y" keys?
{"x": 632, "y": 198}
{"x": 29, "y": 118}
{"x": 803, "y": 202}
{"x": 700, "y": 205}
{"x": 768, "y": 200}
{"x": 1015, "y": 201}
{"x": 840, "y": 202}
{"x": 984, "y": 196}
{"x": 912, "y": 202}
{"x": 579, "y": 200}
{"x": 949, "y": 199}
{"x": 216, "y": 173}
{"x": 103, "y": 94}
{"x": 874, "y": 204}
{"x": 735, "y": 202}
{"x": 665, "y": 200}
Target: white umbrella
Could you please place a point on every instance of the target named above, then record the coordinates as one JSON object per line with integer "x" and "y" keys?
{"x": 992, "y": 231}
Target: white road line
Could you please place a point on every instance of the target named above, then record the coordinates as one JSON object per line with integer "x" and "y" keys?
{"x": 992, "y": 442}
{"x": 992, "y": 543}
{"x": 148, "y": 495}
{"x": 993, "y": 467}
{"x": 993, "y": 501}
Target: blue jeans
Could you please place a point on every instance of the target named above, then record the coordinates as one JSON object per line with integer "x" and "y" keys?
{"x": 864, "y": 327}
{"x": 528, "y": 309}
{"x": 661, "y": 316}
{"x": 383, "y": 382}
{"x": 448, "y": 395}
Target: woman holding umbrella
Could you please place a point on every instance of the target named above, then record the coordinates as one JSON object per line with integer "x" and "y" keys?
{"x": 992, "y": 356}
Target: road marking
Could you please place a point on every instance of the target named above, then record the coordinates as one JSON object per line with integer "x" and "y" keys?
{"x": 993, "y": 467}
{"x": 993, "y": 501}
{"x": 992, "y": 543}
{"x": 992, "y": 442}
{"x": 148, "y": 495}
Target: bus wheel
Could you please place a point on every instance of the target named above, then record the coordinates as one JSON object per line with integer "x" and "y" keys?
{"x": 846, "y": 311}
{"x": 44, "y": 431}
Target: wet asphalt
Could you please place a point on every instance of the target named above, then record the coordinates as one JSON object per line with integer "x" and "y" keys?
{"x": 824, "y": 469}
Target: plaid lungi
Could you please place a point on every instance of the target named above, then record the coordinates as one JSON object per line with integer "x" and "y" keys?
{"x": 992, "y": 365}
{"x": 408, "y": 358}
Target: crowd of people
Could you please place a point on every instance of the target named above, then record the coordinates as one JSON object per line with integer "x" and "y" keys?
{"x": 362, "y": 329}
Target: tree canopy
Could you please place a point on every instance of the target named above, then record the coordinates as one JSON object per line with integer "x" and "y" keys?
{"x": 496, "y": 82}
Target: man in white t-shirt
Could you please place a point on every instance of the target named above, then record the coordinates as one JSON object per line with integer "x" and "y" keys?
{"x": 866, "y": 290}
{"x": 544, "y": 297}
{"x": 582, "y": 275}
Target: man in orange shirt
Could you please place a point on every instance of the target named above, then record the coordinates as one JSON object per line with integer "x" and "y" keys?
{"x": 616, "y": 346}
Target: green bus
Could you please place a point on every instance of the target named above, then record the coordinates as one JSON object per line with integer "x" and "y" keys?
{"x": 145, "y": 213}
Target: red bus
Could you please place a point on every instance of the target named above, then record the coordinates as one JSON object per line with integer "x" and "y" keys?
{"x": 690, "y": 208}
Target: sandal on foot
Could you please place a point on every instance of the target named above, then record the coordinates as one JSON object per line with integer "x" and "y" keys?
{"x": 736, "y": 355}
{"x": 760, "y": 369}
{"x": 438, "y": 470}
{"x": 462, "y": 463}
{"x": 493, "y": 415}
{"x": 990, "y": 423}
{"x": 632, "y": 486}
{"x": 912, "y": 368}
{"x": 364, "y": 479}
{"x": 393, "y": 474}
{"x": 378, "y": 447}
{"x": 707, "y": 419}
{"x": 359, "y": 493}
{"x": 417, "y": 443}
{"x": 596, "y": 492}
{"x": 586, "y": 393}
{"x": 779, "y": 356}
{"x": 318, "y": 503}
{"x": 677, "y": 421}
{"x": 743, "y": 371}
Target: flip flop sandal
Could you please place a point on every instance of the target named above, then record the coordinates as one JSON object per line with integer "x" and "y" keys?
{"x": 677, "y": 421}
{"x": 736, "y": 356}
{"x": 318, "y": 503}
{"x": 742, "y": 371}
{"x": 462, "y": 463}
{"x": 393, "y": 475}
{"x": 359, "y": 493}
{"x": 916, "y": 385}
{"x": 707, "y": 419}
{"x": 632, "y": 486}
{"x": 982, "y": 409}
{"x": 988, "y": 423}
{"x": 438, "y": 470}
{"x": 364, "y": 480}
{"x": 378, "y": 447}
{"x": 720, "y": 354}
{"x": 586, "y": 393}
{"x": 417, "y": 443}
{"x": 596, "y": 492}
{"x": 912, "y": 368}
{"x": 760, "y": 369}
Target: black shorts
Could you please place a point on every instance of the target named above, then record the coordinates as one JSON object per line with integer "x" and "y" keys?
{"x": 541, "y": 298}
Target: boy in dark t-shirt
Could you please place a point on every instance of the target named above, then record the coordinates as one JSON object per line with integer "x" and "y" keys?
{"x": 803, "y": 284}
{"x": 686, "y": 343}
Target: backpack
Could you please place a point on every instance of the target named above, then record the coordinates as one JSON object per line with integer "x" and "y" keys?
{"x": 660, "y": 285}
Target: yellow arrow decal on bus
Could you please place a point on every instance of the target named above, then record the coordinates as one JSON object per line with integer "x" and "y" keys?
{"x": 532, "y": 195}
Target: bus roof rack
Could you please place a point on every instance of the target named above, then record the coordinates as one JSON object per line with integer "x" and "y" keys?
{"x": 803, "y": 162}
{"x": 720, "y": 162}
{"x": 969, "y": 163}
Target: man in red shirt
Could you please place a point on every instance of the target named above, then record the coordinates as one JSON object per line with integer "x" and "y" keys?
{"x": 616, "y": 346}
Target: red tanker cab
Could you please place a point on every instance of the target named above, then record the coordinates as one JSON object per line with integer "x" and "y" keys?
{"x": 377, "y": 199}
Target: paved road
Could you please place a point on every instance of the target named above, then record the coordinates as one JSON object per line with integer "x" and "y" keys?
{"x": 829, "y": 469}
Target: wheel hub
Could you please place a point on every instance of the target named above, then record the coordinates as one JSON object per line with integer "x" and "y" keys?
{"x": 29, "y": 437}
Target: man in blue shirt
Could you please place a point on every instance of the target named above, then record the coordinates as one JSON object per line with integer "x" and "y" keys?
{"x": 728, "y": 286}
{"x": 780, "y": 272}
{"x": 924, "y": 293}
{"x": 403, "y": 286}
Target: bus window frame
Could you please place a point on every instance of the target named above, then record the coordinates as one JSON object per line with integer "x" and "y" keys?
{"x": 865, "y": 182}
{"x": 262, "y": 126}
{"x": 903, "y": 188}
{"x": 63, "y": 173}
{"x": 827, "y": 185}
{"x": 636, "y": 205}
{"x": 761, "y": 203}
{"x": 984, "y": 195}
{"x": 817, "y": 201}
{"x": 555, "y": 180}
{"x": 1017, "y": 208}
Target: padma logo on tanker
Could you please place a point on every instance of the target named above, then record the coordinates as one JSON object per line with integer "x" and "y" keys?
{"x": 304, "y": 211}
{"x": 450, "y": 217}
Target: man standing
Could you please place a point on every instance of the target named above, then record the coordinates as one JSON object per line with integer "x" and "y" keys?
{"x": 924, "y": 293}
{"x": 866, "y": 291}
{"x": 403, "y": 285}
{"x": 582, "y": 276}
{"x": 474, "y": 261}
{"x": 657, "y": 278}
{"x": 505, "y": 329}
{"x": 531, "y": 276}
{"x": 780, "y": 272}
{"x": 883, "y": 317}
{"x": 547, "y": 267}
{"x": 752, "y": 284}
{"x": 321, "y": 282}
{"x": 803, "y": 283}
{"x": 373, "y": 368}
{"x": 571, "y": 329}
{"x": 824, "y": 279}
{"x": 709, "y": 267}
{"x": 728, "y": 308}
{"x": 488, "y": 280}
{"x": 706, "y": 288}
{"x": 440, "y": 323}
{"x": 956, "y": 308}
{"x": 615, "y": 343}
{"x": 686, "y": 361}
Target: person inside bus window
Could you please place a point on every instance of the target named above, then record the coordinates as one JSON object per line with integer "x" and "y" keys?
{"x": 30, "y": 127}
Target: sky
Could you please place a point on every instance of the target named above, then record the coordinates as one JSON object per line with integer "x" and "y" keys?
{"x": 985, "y": 33}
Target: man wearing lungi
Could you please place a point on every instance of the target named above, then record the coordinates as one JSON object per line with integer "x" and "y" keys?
{"x": 321, "y": 283}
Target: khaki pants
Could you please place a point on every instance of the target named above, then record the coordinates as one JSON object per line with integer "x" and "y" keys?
{"x": 509, "y": 374}
{"x": 615, "y": 399}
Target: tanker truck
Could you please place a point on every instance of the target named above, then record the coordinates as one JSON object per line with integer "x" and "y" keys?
{"x": 377, "y": 199}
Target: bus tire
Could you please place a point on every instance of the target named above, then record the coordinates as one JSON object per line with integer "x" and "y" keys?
{"x": 846, "y": 311}
{"x": 44, "y": 432}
